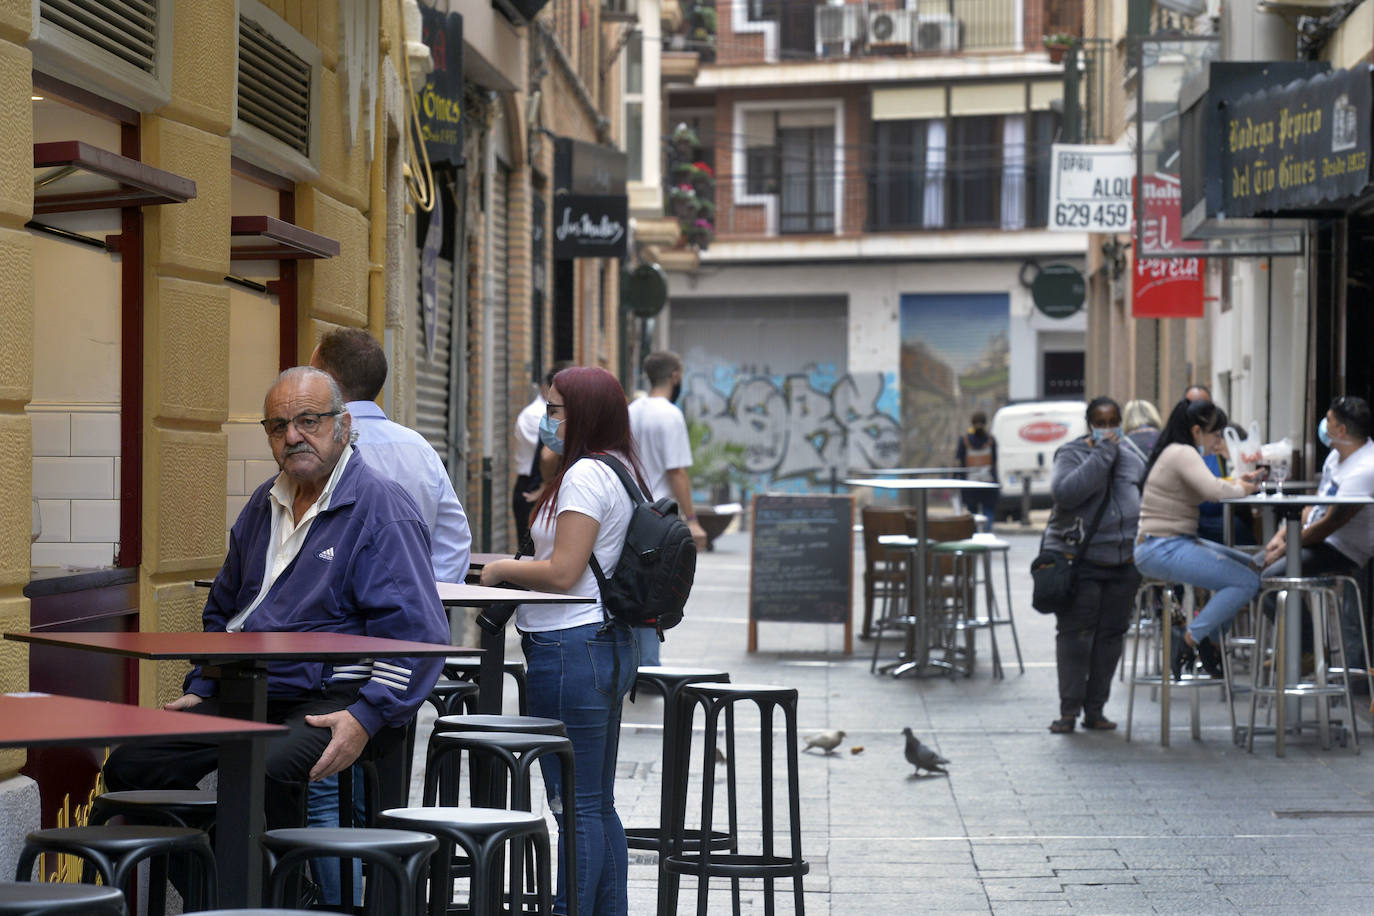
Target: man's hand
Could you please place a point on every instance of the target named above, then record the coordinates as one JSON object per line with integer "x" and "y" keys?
{"x": 348, "y": 742}
{"x": 698, "y": 533}
{"x": 1277, "y": 546}
{"x": 183, "y": 702}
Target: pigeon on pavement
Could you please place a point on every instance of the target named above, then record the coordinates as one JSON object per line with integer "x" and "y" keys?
{"x": 922, "y": 757}
{"x": 826, "y": 741}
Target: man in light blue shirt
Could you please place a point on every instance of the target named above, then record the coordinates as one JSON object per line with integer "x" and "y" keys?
{"x": 355, "y": 359}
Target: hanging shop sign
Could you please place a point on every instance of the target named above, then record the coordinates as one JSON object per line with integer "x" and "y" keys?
{"x": 580, "y": 167}
{"x": 1299, "y": 146}
{"x": 590, "y": 225}
{"x": 440, "y": 100}
{"x": 429, "y": 274}
{"x": 1090, "y": 188}
{"x": 1058, "y": 290}
{"x": 1169, "y": 283}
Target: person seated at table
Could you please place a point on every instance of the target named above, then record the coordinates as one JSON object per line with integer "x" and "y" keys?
{"x": 1168, "y": 547}
{"x": 326, "y": 545}
{"x": 1088, "y": 635}
{"x": 1336, "y": 540}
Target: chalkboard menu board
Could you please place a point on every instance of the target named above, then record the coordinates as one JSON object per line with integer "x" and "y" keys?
{"x": 801, "y": 562}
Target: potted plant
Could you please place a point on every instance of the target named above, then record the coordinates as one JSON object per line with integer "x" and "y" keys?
{"x": 1058, "y": 45}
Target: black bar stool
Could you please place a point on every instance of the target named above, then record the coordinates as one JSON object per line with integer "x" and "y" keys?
{"x": 467, "y": 668}
{"x": 481, "y": 833}
{"x": 517, "y": 752}
{"x": 451, "y": 698}
{"x": 33, "y": 898}
{"x": 402, "y": 854}
{"x": 706, "y": 863}
{"x": 114, "y": 852}
{"x": 168, "y": 807}
{"x": 668, "y": 683}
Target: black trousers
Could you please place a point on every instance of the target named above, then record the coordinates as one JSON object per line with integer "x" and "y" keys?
{"x": 181, "y": 764}
{"x": 1089, "y": 636}
{"x": 520, "y": 508}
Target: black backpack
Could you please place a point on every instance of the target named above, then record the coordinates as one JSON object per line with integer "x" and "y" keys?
{"x": 654, "y": 575}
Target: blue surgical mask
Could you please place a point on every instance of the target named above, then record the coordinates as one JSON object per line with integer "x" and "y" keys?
{"x": 1100, "y": 433}
{"x": 1322, "y": 434}
{"x": 548, "y": 434}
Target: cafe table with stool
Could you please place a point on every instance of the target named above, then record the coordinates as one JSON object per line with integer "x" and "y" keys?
{"x": 496, "y": 600}
{"x": 1290, "y": 508}
{"x": 50, "y": 720}
{"x": 239, "y": 661}
{"x": 917, "y": 646}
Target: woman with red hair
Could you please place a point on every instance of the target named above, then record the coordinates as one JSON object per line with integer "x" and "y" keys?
{"x": 580, "y": 664}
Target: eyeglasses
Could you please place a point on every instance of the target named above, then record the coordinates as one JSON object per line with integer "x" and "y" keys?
{"x": 552, "y": 406}
{"x": 307, "y": 423}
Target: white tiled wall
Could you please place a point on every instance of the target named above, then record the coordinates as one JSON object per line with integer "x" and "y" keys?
{"x": 250, "y": 463}
{"x": 76, "y": 483}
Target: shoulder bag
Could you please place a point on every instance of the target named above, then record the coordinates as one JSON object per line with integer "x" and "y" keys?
{"x": 1054, "y": 573}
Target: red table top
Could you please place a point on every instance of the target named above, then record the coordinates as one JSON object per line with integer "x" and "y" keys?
{"x": 483, "y": 595}
{"x": 48, "y": 720}
{"x": 239, "y": 646}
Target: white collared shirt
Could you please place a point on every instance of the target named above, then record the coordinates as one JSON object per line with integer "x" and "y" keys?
{"x": 287, "y": 534}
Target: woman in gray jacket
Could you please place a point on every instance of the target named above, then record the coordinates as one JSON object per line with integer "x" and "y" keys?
{"x": 1103, "y": 465}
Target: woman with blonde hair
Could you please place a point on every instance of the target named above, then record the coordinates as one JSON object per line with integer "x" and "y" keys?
{"x": 1141, "y": 423}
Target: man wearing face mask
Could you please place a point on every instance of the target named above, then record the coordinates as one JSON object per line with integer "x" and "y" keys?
{"x": 659, "y": 432}
{"x": 1336, "y": 540}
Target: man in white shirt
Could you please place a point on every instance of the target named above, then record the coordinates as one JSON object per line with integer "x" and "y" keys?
{"x": 1336, "y": 540}
{"x": 524, "y": 453}
{"x": 659, "y": 431}
{"x": 356, "y": 361}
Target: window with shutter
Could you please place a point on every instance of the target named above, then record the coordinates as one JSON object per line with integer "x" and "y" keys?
{"x": 276, "y": 123}
{"x": 118, "y": 49}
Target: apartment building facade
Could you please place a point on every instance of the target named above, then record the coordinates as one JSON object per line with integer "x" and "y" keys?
{"x": 881, "y": 181}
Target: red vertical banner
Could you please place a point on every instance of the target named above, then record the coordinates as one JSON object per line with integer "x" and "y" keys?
{"x": 1167, "y": 279}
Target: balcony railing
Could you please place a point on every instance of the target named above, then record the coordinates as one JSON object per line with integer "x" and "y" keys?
{"x": 759, "y": 31}
{"x": 972, "y": 191}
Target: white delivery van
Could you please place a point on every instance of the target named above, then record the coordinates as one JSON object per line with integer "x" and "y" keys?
{"x": 1027, "y": 435}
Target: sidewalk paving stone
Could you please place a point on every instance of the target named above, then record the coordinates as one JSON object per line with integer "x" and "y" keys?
{"x": 1026, "y": 822}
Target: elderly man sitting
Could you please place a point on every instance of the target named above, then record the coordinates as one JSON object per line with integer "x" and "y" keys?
{"x": 328, "y": 544}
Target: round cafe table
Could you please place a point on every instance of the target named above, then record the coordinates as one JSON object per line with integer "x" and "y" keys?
{"x": 917, "y": 647}
{"x": 1290, "y": 508}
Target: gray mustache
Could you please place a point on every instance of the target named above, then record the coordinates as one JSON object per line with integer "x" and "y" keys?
{"x": 297, "y": 449}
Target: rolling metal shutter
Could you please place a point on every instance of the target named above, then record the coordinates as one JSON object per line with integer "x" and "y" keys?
{"x": 432, "y": 374}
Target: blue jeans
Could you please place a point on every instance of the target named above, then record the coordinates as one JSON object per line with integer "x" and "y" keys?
{"x": 647, "y": 639}
{"x": 580, "y": 676}
{"x": 1225, "y": 571}
{"x": 322, "y": 810}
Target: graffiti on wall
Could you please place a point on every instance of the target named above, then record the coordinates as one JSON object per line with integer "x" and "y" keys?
{"x": 795, "y": 429}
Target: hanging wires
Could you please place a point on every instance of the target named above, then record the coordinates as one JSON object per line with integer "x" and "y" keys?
{"x": 419, "y": 175}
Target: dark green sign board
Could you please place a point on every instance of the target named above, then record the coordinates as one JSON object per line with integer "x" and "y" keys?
{"x": 644, "y": 290}
{"x": 1058, "y": 290}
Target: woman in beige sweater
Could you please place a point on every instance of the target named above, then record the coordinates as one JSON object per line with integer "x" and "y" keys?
{"x": 1177, "y": 481}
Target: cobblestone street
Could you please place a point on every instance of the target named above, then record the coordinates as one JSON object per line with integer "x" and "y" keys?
{"x": 1027, "y": 821}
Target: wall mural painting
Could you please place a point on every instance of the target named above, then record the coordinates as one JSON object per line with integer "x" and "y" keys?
{"x": 794, "y": 429}
{"x": 955, "y": 359}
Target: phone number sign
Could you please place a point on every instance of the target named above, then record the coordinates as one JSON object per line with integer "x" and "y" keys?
{"x": 1090, "y": 188}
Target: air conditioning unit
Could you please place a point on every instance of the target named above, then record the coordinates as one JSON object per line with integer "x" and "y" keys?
{"x": 619, "y": 11}
{"x": 937, "y": 32}
{"x": 891, "y": 27}
{"x": 839, "y": 24}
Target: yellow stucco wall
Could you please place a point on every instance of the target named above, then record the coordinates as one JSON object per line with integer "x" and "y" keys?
{"x": 16, "y": 347}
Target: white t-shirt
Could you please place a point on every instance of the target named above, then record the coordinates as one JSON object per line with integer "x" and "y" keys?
{"x": 593, "y": 489}
{"x": 660, "y": 434}
{"x": 527, "y": 434}
{"x": 1352, "y": 477}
